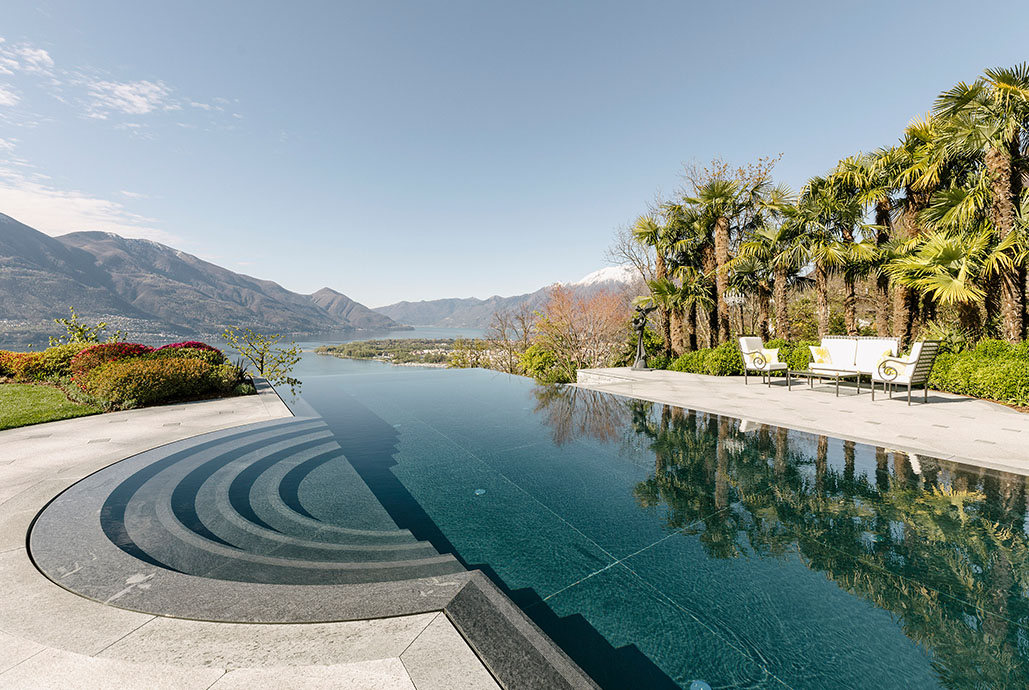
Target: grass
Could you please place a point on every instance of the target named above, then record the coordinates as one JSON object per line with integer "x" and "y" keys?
{"x": 22, "y": 404}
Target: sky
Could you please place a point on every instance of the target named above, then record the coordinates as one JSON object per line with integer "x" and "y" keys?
{"x": 407, "y": 150}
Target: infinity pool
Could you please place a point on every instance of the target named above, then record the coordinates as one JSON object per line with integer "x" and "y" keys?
{"x": 657, "y": 546}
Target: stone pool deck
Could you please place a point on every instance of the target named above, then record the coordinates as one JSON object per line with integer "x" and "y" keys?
{"x": 52, "y": 638}
{"x": 949, "y": 427}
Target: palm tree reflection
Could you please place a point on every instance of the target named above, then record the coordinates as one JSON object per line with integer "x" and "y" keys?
{"x": 942, "y": 546}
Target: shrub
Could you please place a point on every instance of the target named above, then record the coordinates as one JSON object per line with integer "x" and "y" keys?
{"x": 205, "y": 354}
{"x": 542, "y": 365}
{"x": 20, "y": 365}
{"x": 144, "y": 381}
{"x": 225, "y": 378}
{"x": 96, "y": 355}
{"x": 51, "y": 363}
{"x": 725, "y": 360}
{"x": 994, "y": 370}
{"x": 993, "y": 348}
{"x": 5, "y": 366}
{"x": 191, "y": 344}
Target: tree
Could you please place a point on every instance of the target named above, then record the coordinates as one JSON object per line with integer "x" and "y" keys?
{"x": 988, "y": 118}
{"x": 78, "y": 332}
{"x": 777, "y": 246}
{"x": 649, "y": 232}
{"x": 578, "y": 331}
{"x": 263, "y": 353}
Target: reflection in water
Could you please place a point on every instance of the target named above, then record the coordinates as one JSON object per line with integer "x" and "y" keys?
{"x": 941, "y": 546}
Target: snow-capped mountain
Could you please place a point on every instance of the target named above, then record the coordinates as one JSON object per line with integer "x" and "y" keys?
{"x": 625, "y": 275}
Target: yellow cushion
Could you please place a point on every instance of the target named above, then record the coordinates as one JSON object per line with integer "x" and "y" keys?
{"x": 885, "y": 355}
{"x": 820, "y": 355}
{"x": 771, "y": 356}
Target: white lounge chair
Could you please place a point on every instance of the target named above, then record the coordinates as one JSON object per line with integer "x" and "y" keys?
{"x": 760, "y": 359}
{"x": 909, "y": 371}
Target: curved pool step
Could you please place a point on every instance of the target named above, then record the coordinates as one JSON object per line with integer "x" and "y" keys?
{"x": 212, "y": 508}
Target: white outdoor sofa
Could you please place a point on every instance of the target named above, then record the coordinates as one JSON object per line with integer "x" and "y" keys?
{"x": 760, "y": 359}
{"x": 854, "y": 354}
{"x": 909, "y": 371}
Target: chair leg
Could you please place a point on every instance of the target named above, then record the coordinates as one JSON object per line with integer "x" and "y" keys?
{"x": 925, "y": 394}
{"x": 909, "y": 394}
{"x": 744, "y": 376}
{"x": 873, "y": 390}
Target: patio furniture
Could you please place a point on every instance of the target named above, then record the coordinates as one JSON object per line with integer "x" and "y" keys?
{"x": 909, "y": 371}
{"x": 836, "y": 375}
{"x": 859, "y": 354}
{"x": 760, "y": 359}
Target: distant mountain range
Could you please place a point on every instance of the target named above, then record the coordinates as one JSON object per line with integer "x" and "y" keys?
{"x": 151, "y": 289}
{"x": 476, "y": 313}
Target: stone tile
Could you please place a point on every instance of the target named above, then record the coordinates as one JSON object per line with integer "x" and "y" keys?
{"x": 14, "y": 650}
{"x": 59, "y": 670}
{"x": 36, "y": 609}
{"x": 242, "y": 645}
{"x": 383, "y": 674}
{"x": 440, "y": 659}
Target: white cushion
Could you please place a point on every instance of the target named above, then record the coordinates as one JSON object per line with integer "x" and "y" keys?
{"x": 841, "y": 350}
{"x": 751, "y": 344}
{"x": 869, "y": 352}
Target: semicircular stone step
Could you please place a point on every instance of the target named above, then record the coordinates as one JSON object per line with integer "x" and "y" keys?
{"x": 184, "y": 550}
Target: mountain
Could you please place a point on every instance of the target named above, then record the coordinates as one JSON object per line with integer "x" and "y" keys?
{"x": 348, "y": 311}
{"x": 471, "y": 312}
{"x": 144, "y": 286}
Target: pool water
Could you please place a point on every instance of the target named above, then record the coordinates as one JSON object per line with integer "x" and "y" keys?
{"x": 660, "y": 546}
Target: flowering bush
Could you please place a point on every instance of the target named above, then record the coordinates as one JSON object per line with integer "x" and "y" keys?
{"x": 191, "y": 344}
{"x": 138, "y": 381}
{"x": 96, "y": 355}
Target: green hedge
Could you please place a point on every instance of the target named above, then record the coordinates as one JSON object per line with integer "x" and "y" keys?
{"x": 136, "y": 381}
{"x": 995, "y": 370}
{"x": 726, "y": 360}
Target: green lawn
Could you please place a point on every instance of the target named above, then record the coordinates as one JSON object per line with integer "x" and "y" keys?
{"x": 22, "y": 404}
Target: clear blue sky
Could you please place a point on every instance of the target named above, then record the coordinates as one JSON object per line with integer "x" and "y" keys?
{"x": 416, "y": 150}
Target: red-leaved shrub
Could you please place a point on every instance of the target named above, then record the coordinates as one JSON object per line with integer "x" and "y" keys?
{"x": 95, "y": 355}
{"x": 192, "y": 344}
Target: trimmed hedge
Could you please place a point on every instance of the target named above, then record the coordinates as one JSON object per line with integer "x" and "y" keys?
{"x": 995, "y": 370}
{"x": 138, "y": 381}
{"x": 205, "y": 354}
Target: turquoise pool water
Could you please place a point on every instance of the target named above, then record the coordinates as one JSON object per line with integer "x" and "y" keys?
{"x": 659, "y": 546}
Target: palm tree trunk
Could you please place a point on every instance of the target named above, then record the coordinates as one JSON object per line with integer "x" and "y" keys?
{"x": 850, "y": 305}
{"x": 764, "y": 308}
{"x": 903, "y": 313}
{"x": 782, "y": 315}
{"x": 822, "y": 299}
{"x": 691, "y": 328}
{"x": 721, "y": 278}
{"x": 1003, "y": 187}
{"x": 882, "y": 281}
{"x": 664, "y": 318}
{"x": 678, "y": 331}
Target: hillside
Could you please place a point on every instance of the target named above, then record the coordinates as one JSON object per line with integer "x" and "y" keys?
{"x": 148, "y": 287}
{"x": 470, "y": 312}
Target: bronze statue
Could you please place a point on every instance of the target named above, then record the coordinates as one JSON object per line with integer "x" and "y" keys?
{"x": 639, "y": 322}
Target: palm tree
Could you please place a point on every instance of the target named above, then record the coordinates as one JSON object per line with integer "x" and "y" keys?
{"x": 953, "y": 268}
{"x": 718, "y": 202}
{"x": 873, "y": 178}
{"x": 777, "y": 245}
{"x": 694, "y": 295}
{"x": 988, "y": 118}
{"x": 829, "y": 214}
{"x": 649, "y": 232}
